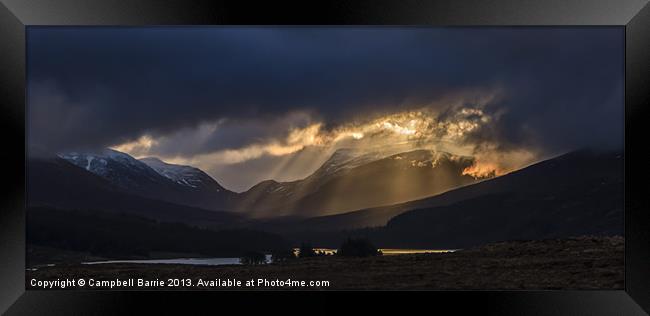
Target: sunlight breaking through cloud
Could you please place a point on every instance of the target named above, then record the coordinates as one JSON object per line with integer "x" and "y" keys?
{"x": 424, "y": 128}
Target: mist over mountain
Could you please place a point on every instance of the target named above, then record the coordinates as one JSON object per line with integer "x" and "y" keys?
{"x": 346, "y": 182}
{"x": 579, "y": 193}
{"x": 271, "y": 198}
{"x": 576, "y": 193}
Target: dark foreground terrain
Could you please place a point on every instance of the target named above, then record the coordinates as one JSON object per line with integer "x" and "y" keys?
{"x": 577, "y": 263}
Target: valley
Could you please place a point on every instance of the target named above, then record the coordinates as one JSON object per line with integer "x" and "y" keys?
{"x": 575, "y": 194}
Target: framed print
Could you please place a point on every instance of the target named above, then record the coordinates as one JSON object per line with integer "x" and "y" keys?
{"x": 440, "y": 152}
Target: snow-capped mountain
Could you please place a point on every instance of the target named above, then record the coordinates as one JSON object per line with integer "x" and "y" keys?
{"x": 154, "y": 179}
{"x": 119, "y": 168}
{"x": 183, "y": 175}
{"x": 347, "y": 181}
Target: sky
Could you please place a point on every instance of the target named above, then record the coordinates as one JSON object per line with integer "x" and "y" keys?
{"x": 246, "y": 104}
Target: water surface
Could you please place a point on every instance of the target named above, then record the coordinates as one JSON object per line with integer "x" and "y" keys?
{"x": 190, "y": 261}
{"x": 235, "y": 261}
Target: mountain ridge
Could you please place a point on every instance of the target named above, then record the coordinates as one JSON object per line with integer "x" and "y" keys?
{"x": 55, "y": 182}
{"x": 365, "y": 180}
{"x": 565, "y": 182}
{"x": 368, "y": 180}
{"x": 184, "y": 175}
{"x": 138, "y": 177}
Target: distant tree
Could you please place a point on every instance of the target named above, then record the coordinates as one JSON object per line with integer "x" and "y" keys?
{"x": 253, "y": 258}
{"x": 282, "y": 255}
{"x": 306, "y": 251}
{"x": 358, "y": 248}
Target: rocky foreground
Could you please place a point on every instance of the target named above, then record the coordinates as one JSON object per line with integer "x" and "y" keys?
{"x": 576, "y": 263}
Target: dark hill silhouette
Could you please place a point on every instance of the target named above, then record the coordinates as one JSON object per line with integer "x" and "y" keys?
{"x": 574, "y": 194}
{"x": 120, "y": 235}
{"x": 580, "y": 193}
{"x": 55, "y": 182}
{"x": 72, "y": 209}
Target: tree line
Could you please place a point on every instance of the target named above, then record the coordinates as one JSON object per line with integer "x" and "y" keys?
{"x": 351, "y": 247}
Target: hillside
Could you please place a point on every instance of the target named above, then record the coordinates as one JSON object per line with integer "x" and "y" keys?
{"x": 152, "y": 178}
{"x": 54, "y": 182}
{"x": 345, "y": 183}
{"x": 120, "y": 235}
{"x": 574, "y": 194}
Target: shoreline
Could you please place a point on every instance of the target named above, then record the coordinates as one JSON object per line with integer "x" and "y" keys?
{"x": 575, "y": 263}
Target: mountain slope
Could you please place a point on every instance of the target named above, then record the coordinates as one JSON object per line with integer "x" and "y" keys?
{"x": 55, "y": 182}
{"x": 579, "y": 193}
{"x": 271, "y": 198}
{"x": 120, "y": 169}
{"x": 186, "y": 176}
{"x": 123, "y": 236}
{"x": 155, "y": 179}
{"x": 544, "y": 175}
{"x": 346, "y": 183}
{"x": 394, "y": 179}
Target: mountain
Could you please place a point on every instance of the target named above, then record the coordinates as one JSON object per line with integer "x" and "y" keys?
{"x": 57, "y": 183}
{"x": 122, "y": 170}
{"x": 343, "y": 159}
{"x": 186, "y": 176}
{"x": 154, "y": 179}
{"x": 579, "y": 193}
{"x": 72, "y": 209}
{"x": 576, "y": 194}
{"x": 273, "y": 199}
{"x": 346, "y": 182}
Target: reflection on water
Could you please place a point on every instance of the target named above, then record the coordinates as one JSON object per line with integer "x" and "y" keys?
{"x": 231, "y": 261}
{"x": 394, "y": 251}
{"x": 385, "y": 251}
{"x": 191, "y": 261}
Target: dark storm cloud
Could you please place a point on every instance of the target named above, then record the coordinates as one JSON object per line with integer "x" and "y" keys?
{"x": 228, "y": 134}
{"x": 103, "y": 86}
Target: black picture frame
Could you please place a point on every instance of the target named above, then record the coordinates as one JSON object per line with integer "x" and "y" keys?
{"x": 634, "y": 15}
